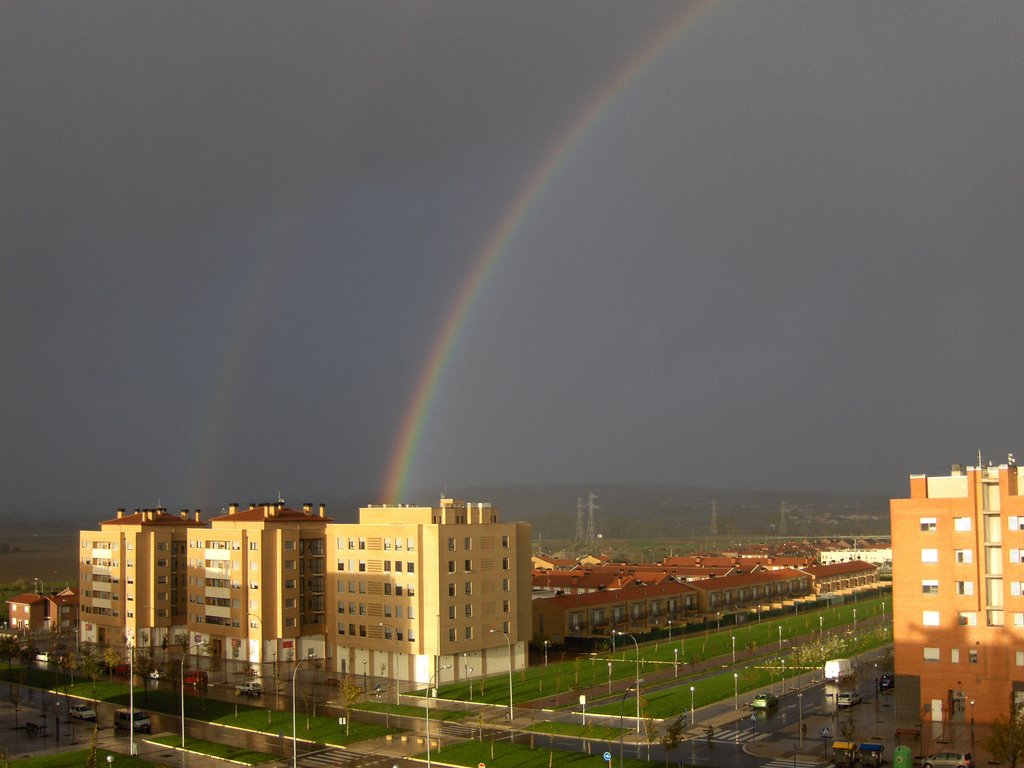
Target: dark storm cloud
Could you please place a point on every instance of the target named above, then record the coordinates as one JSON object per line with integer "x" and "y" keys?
{"x": 785, "y": 256}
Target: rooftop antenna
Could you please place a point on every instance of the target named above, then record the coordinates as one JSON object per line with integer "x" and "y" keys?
{"x": 280, "y": 498}
{"x": 591, "y": 526}
{"x": 581, "y": 531}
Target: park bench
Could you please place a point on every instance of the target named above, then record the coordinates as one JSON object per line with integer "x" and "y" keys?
{"x": 910, "y": 733}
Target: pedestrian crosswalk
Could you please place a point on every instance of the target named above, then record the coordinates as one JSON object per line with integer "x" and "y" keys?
{"x": 782, "y": 762}
{"x": 733, "y": 735}
{"x": 333, "y": 757}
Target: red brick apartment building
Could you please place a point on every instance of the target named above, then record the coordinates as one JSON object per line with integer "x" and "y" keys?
{"x": 958, "y": 595}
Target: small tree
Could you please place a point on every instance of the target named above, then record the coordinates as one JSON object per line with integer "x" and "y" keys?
{"x": 111, "y": 658}
{"x": 10, "y": 648}
{"x": 650, "y": 726}
{"x": 144, "y": 666}
{"x": 673, "y": 735}
{"x": 349, "y": 696}
{"x": 1006, "y": 738}
{"x": 91, "y": 667}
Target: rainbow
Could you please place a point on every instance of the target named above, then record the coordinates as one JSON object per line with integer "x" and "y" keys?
{"x": 412, "y": 427}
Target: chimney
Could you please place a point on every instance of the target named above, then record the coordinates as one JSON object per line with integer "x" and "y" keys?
{"x": 307, "y": 508}
{"x": 120, "y": 513}
{"x": 323, "y": 510}
{"x": 267, "y": 511}
{"x": 233, "y": 508}
{"x": 198, "y": 513}
{"x": 184, "y": 514}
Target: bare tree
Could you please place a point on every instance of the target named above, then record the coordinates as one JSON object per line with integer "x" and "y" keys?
{"x": 1006, "y": 738}
{"x": 673, "y": 735}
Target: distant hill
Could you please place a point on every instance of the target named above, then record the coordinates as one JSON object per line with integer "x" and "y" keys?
{"x": 625, "y": 510}
{"x": 630, "y": 511}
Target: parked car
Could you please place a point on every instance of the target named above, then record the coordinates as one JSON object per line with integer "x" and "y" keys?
{"x": 122, "y": 670}
{"x": 886, "y": 683}
{"x": 764, "y": 701}
{"x": 82, "y": 711}
{"x": 196, "y": 677}
{"x": 848, "y": 699}
{"x": 140, "y": 720}
{"x": 249, "y": 689}
{"x": 333, "y": 682}
{"x": 949, "y": 760}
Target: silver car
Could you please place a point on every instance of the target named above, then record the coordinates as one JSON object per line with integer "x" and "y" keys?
{"x": 948, "y": 760}
{"x": 848, "y": 699}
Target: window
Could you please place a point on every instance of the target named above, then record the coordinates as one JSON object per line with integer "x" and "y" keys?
{"x": 964, "y": 556}
{"x": 451, "y": 611}
{"x": 1018, "y": 619}
{"x": 994, "y": 617}
{"x": 467, "y": 543}
{"x": 966, "y": 619}
{"x": 1015, "y": 523}
{"x": 289, "y": 602}
{"x": 387, "y": 566}
{"x": 451, "y": 544}
{"x": 506, "y": 606}
{"x": 387, "y": 587}
{"x": 362, "y": 566}
{"x": 972, "y": 656}
{"x": 931, "y": 654}
{"x": 468, "y": 610}
{"x": 929, "y": 555}
{"x": 504, "y": 541}
{"x": 468, "y": 633}
{"x": 451, "y": 635}
{"x": 362, "y": 543}
{"x": 954, "y": 655}
{"x": 451, "y": 566}
{"x": 289, "y": 544}
{"x": 1014, "y": 555}
{"x": 1020, "y": 658}
{"x": 410, "y": 567}
{"x": 468, "y": 566}
{"x": 962, "y": 524}
{"x": 504, "y": 585}
{"x": 468, "y": 588}
{"x": 289, "y": 583}
{"x": 965, "y": 587}
{"x": 928, "y": 524}
{"x": 504, "y": 563}
{"x": 930, "y": 586}
{"x": 930, "y": 618}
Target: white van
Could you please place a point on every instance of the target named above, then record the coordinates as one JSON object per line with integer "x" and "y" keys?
{"x": 837, "y": 669}
{"x": 139, "y": 719}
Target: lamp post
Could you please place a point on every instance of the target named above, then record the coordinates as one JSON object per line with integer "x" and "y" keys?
{"x": 635, "y": 643}
{"x": 181, "y": 680}
{"x": 736, "y": 691}
{"x": 780, "y": 637}
{"x": 693, "y": 718}
{"x": 430, "y": 686}
{"x": 821, "y": 628}
{"x": 972, "y": 722}
{"x": 609, "y": 678}
{"x": 366, "y": 685}
{"x": 675, "y": 652}
{"x": 131, "y": 699}
{"x": 670, "y": 630}
{"x": 511, "y": 714}
{"x": 469, "y": 671}
{"x": 546, "y": 644}
{"x": 854, "y": 621}
{"x": 734, "y": 649}
{"x": 800, "y": 705}
{"x": 295, "y": 742}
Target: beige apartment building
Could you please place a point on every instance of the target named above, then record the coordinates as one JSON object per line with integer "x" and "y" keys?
{"x": 422, "y": 590}
{"x": 256, "y": 584}
{"x": 405, "y": 593}
{"x": 133, "y": 578}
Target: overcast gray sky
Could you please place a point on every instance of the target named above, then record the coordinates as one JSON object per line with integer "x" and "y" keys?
{"x": 783, "y": 254}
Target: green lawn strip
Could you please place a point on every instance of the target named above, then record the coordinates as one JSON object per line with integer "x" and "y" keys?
{"x": 599, "y": 732}
{"x": 407, "y": 710}
{"x": 669, "y": 702}
{"x": 752, "y": 636}
{"x": 473, "y": 753}
{"x": 317, "y": 728}
{"x": 213, "y": 749}
{"x": 78, "y": 758}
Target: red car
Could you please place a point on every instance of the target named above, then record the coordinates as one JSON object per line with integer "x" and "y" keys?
{"x": 122, "y": 670}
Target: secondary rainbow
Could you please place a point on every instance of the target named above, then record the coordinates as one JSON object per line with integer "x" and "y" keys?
{"x": 412, "y": 428}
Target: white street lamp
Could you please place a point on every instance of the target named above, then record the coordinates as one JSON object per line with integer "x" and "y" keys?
{"x": 511, "y": 714}
{"x": 430, "y": 687}
{"x": 635, "y": 643}
{"x": 780, "y": 637}
{"x": 295, "y": 743}
{"x": 734, "y": 649}
{"x": 736, "y": 690}
{"x": 693, "y": 719}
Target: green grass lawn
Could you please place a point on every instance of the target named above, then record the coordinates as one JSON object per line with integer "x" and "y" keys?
{"x": 599, "y": 732}
{"x": 502, "y": 755}
{"x": 237, "y": 754}
{"x": 752, "y": 638}
{"x": 319, "y": 728}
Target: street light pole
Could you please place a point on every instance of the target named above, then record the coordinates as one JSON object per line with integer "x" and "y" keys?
{"x": 295, "y": 742}
{"x": 430, "y": 687}
{"x": 181, "y": 680}
{"x": 635, "y": 643}
{"x": 511, "y": 714}
{"x": 780, "y": 637}
{"x": 734, "y": 649}
{"x": 800, "y": 704}
{"x": 736, "y": 690}
{"x": 693, "y": 718}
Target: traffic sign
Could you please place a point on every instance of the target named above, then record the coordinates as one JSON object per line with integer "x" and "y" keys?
{"x": 607, "y": 757}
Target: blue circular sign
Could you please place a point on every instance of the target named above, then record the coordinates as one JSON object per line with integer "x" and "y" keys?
{"x": 607, "y": 757}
